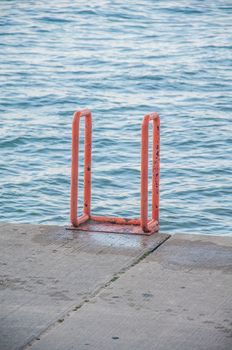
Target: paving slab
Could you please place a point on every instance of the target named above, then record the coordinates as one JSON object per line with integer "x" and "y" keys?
{"x": 47, "y": 271}
{"x": 178, "y": 297}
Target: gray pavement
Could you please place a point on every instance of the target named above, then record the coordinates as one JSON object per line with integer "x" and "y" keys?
{"x": 69, "y": 290}
{"x": 47, "y": 271}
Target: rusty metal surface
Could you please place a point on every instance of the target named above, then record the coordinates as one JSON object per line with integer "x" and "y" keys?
{"x": 116, "y": 225}
{"x": 87, "y": 167}
{"x": 145, "y": 223}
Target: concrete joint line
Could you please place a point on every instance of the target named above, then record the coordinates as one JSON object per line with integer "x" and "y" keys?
{"x": 75, "y": 308}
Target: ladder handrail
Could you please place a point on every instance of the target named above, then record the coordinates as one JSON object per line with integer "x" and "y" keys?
{"x": 146, "y": 225}
{"x": 87, "y": 167}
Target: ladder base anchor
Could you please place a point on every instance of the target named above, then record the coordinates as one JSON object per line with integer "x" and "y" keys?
{"x": 108, "y": 227}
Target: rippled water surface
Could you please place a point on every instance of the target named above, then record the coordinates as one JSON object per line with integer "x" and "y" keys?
{"x": 121, "y": 59}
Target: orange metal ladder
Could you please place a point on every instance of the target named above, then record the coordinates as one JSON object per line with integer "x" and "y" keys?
{"x": 88, "y": 222}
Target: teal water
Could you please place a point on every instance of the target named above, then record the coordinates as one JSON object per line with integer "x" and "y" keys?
{"x": 121, "y": 60}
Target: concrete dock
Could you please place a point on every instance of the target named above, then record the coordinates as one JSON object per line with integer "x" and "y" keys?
{"x": 62, "y": 289}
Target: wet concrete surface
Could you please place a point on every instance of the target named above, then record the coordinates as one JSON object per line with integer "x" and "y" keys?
{"x": 46, "y": 272}
{"x": 69, "y": 290}
{"x": 178, "y": 297}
